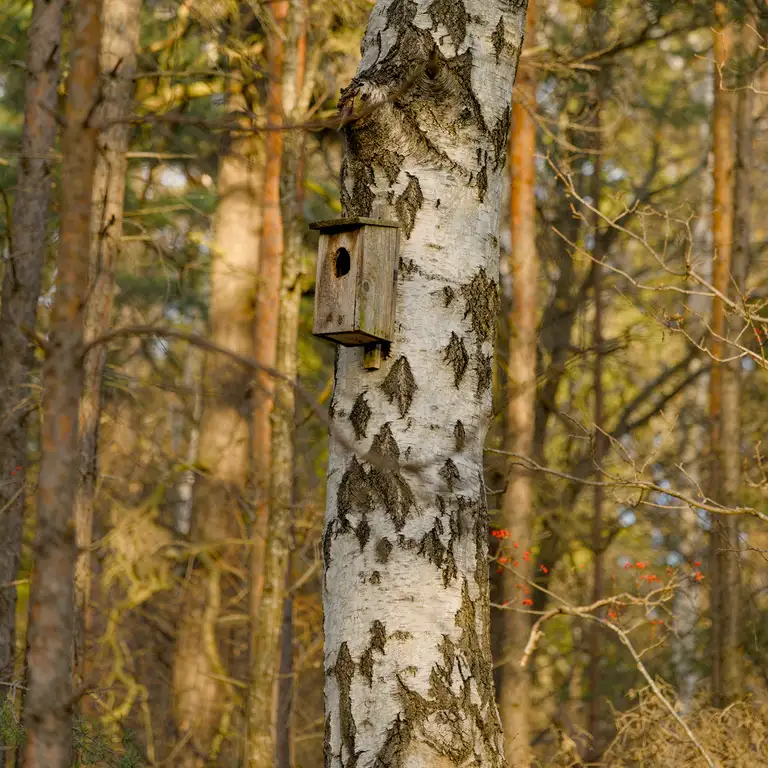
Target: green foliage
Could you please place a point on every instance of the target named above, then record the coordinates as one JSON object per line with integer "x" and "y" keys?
{"x": 92, "y": 746}
{"x": 12, "y": 732}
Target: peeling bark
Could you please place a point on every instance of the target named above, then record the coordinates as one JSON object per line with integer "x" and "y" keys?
{"x": 49, "y": 700}
{"x": 18, "y": 309}
{"x": 407, "y": 654}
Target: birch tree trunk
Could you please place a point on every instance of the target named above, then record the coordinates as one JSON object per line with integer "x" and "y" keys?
{"x": 49, "y": 699}
{"x": 20, "y": 291}
{"x": 517, "y": 509}
{"x": 120, "y": 39}
{"x": 202, "y": 700}
{"x": 724, "y": 537}
{"x": 407, "y": 627}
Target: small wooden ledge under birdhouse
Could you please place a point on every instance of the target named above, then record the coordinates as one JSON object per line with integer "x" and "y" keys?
{"x": 356, "y": 282}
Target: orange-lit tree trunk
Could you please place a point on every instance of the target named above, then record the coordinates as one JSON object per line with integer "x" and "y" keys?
{"x": 724, "y": 535}
{"x": 265, "y": 628}
{"x": 271, "y": 620}
{"x": 49, "y": 699}
{"x": 517, "y": 509}
{"x": 120, "y": 38}
{"x": 20, "y": 290}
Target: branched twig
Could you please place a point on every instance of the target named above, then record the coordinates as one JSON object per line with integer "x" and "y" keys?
{"x": 705, "y": 504}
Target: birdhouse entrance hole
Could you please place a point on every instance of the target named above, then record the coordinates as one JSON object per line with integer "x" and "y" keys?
{"x": 342, "y": 262}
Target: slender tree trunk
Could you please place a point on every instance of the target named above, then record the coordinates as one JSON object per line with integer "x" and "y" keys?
{"x": 267, "y": 306}
{"x": 20, "y": 291}
{"x": 599, "y": 454}
{"x": 202, "y": 701}
{"x": 729, "y": 668}
{"x": 407, "y": 620}
{"x": 193, "y": 380}
{"x": 49, "y": 699}
{"x": 120, "y": 39}
{"x": 688, "y": 598}
{"x": 517, "y": 508}
{"x": 264, "y": 720}
{"x": 597, "y": 23}
{"x": 724, "y": 538}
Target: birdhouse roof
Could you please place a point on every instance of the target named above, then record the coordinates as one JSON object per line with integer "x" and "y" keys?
{"x": 338, "y": 225}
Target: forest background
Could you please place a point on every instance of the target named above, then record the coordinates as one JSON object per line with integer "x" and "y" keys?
{"x": 623, "y": 467}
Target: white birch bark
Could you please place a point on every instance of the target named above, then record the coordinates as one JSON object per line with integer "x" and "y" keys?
{"x": 407, "y": 653}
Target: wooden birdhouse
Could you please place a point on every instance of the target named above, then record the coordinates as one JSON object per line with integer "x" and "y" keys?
{"x": 356, "y": 278}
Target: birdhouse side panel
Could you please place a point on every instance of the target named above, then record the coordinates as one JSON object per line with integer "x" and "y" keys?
{"x": 336, "y": 286}
{"x": 376, "y": 299}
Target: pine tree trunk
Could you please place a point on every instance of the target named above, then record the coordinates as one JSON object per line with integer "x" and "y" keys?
{"x": 279, "y": 534}
{"x": 407, "y": 620}
{"x": 517, "y": 511}
{"x": 20, "y": 291}
{"x": 730, "y": 456}
{"x": 202, "y": 701}
{"x": 120, "y": 39}
{"x": 49, "y": 699}
{"x": 724, "y": 538}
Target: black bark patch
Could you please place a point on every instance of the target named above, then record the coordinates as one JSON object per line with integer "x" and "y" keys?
{"x": 375, "y": 578}
{"x": 327, "y": 535}
{"x": 450, "y": 473}
{"x": 432, "y": 547}
{"x": 455, "y": 354}
{"x": 344, "y": 671}
{"x": 407, "y": 268}
{"x": 459, "y": 436}
{"x": 354, "y": 494}
{"x": 497, "y": 38}
{"x": 390, "y": 163}
{"x": 481, "y": 296}
{"x": 484, "y": 370}
{"x": 400, "y": 385}
{"x": 408, "y": 203}
{"x": 360, "y": 201}
{"x": 431, "y": 544}
{"x": 453, "y": 16}
{"x": 499, "y": 135}
{"x": 448, "y": 296}
{"x": 378, "y": 635}
{"x": 360, "y": 416}
{"x": 383, "y": 550}
{"x": 482, "y": 182}
{"x": 390, "y": 488}
{"x": 363, "y": 532}
{"x": 327, "y": 757}
{"x": 396, "y": 745}
{"x": 401, "y": 12}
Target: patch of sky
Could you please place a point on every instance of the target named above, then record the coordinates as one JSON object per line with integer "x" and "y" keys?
{"x": 674, "y": 559}
{"x": 627, "y": 518}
